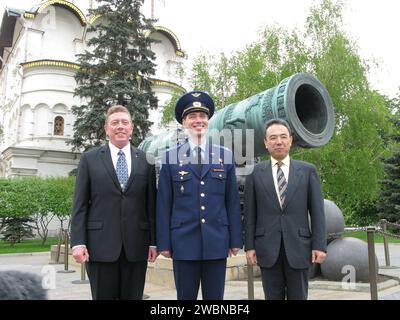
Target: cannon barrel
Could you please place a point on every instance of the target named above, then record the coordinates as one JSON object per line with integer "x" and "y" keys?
{"x": 300, "y": 99}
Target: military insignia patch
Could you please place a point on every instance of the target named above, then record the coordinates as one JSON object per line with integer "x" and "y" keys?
{"x": 218, "y": 170}
{"x": 182, "y": 173}
{"x": 196, "y": 104}
{"x": 196, "y": 94}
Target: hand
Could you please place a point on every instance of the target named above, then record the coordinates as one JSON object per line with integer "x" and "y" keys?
{"x": 318, "y": 256}
{"x": 80, "y": 254}
{"x": 166, "y": 253}
{"x": 153, "y": 254}
{"x": 233, "y": 251}
{"x": 251, "y": 257}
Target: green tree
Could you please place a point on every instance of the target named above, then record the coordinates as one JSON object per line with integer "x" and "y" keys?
{"x": 168, "y": 115}
{"x": 60, "y": 196}
{"x": 15, "y": 229}
{"x": 116, "y": 70}
{"x": 16, "y": 205}
{"x": 389, "y": 202}
{"x": 350, "y": 164}
{"x": 39, "y": 199}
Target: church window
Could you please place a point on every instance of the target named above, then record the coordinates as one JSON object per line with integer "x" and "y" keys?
{"x": 59, "y": 126}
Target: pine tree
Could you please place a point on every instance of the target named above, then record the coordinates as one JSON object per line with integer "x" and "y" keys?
{"x": 116, "y": 70}
{"x": 389, "y": 204}
{"x": 15, "y": 229}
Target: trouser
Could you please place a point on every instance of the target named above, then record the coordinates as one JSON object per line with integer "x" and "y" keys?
{"x": 189, "y": 274}
{"x": 282, "y": 281}
{"x": 121, "y": 280}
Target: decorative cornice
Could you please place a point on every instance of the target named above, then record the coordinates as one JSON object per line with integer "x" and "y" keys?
{"x": 50, "y": 63}
{"x": 94, "y": 18}
{"x": 67, "y": 5}
{"x": 171, "y": 36}
{"x": 75, "y": 66}
{"x": 29, "y": 15}
{"x": 163, "y": 83}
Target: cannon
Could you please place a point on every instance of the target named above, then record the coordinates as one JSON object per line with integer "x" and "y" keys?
{"x": 300, "y": 99}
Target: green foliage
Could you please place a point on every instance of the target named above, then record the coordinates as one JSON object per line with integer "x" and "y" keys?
{"x": 350, "y": 164}
{"x": 389, "y": 204}
{"x": 116, "y": 70}
{"x": 33, "y": 245}
{"x": 14, "y": 229}
{"x": 362, "y": 235}
{"x": 38, "y": 198}
{"x": 168, "y": 115}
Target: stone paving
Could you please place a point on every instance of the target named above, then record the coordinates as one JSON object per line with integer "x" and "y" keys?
{"x": 61, "y": 287}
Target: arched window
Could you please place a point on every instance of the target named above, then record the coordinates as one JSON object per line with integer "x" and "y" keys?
{"x": 59, "y": 126}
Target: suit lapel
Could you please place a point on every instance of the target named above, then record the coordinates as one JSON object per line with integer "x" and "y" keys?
{"x": 295, "y": 175}
{"x": 134, "y": 165}
{"x": 105, "y": 156}
{"x": 211, "y": 156}
{"x": 190, "y": 161}
{"x": 268, "y": 182}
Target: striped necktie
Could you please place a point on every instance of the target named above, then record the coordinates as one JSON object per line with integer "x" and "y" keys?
{"x": 282, "y": 184}
{"x": 122, "y": 170}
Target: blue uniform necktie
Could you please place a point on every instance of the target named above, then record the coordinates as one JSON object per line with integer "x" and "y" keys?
{"x": 282, "y": 184}
{"x": 122, "y": 170}
{"x": 199, "y": 159}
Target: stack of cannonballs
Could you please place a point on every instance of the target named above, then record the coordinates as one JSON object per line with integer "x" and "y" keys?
{"x": 347, "y": 258}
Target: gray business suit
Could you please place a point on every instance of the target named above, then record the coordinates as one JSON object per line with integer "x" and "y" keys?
{"x": 281, "y": 236}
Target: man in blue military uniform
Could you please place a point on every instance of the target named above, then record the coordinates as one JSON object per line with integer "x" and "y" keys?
{"x": 198, "y": 212}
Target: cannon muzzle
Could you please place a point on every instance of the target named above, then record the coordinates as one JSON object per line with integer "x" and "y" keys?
{"x": 300, "y": 99}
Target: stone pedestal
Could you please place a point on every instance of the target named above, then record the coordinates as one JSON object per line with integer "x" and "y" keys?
{"x": 160, "y": 272}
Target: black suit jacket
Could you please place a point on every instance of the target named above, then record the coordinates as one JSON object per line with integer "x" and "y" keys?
{"x": 104, "y": 217}
{"x": 266, "y": 223}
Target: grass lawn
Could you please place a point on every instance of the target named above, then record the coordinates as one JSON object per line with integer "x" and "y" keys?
{"x": 36, "y": 245}
{"x": 28, "y": 246}
{"x": 362, "y": 235}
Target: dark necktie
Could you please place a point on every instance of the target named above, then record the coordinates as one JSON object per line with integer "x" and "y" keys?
{"x": 199, "y": 159}
{"x": 122, "y": 170}
{"x": 282, "y": 184}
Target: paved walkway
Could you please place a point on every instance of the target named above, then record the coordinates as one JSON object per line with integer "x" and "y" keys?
{"x": 61, "y": 287}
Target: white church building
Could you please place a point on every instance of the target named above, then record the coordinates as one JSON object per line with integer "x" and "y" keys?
{"x": 38, "y": 48}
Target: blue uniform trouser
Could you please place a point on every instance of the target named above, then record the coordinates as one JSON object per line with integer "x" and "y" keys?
{"x": 189, "y": 273}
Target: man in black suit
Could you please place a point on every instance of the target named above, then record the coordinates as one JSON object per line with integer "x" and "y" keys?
{"x": 113, "y": 220}
{"x": 280, "y": 196}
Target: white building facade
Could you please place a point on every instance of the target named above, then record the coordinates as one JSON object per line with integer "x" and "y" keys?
{"x": 38, "y": 62}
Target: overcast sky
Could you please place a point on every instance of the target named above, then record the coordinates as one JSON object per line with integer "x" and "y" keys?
{"x": 226, "y": 25}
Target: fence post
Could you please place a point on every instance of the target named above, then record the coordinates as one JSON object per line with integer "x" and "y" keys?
{"x": 83, "y": 275}
{"x": 385, "y": 242}
{"x": 372, "y": 266}
{"x": 60, "y": 240}
{"x": 250, "y": 281}
{"x": 66, "y": 249}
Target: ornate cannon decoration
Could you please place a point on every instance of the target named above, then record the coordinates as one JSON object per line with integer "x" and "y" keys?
{"x": 300, "y": 99}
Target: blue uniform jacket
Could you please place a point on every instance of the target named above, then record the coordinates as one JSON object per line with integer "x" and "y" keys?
{"x": 198, "y": 216}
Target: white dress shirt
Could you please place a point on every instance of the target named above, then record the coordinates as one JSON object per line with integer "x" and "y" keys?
{"x": 114, "y": 155}
{"x": 285, "y": 169}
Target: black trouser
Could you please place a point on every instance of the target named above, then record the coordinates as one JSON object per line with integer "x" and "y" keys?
{"x": 121, "y": 279}
{"x": 282, "y": 281}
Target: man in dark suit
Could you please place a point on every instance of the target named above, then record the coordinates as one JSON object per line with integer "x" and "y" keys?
{"x": 113, "y": 220}
{"x": 198, "y": 210}
{"x": 280, "y": 196}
